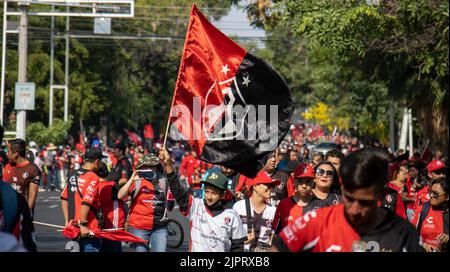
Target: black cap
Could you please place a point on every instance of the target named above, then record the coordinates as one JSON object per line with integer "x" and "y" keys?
{"x": 120, "y": 145}
{"x": 94, "y": 154}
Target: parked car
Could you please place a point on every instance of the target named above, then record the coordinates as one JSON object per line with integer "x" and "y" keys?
{"x": 324, "y": 147}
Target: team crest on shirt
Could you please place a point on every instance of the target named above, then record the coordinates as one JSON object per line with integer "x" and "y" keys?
{"x": 25, "y": 175}
{"x": 226, "y": 220}
{"x": 389, "y": 198}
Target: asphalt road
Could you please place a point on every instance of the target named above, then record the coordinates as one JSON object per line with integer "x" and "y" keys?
{"x": 50, "y": 239}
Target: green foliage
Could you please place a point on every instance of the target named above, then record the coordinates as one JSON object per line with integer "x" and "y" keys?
{"x": 56, "y": 133}
{"x": 368, "y": 54}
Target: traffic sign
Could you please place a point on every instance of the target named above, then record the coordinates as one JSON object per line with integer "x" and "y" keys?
{"x": 24, "y": 96}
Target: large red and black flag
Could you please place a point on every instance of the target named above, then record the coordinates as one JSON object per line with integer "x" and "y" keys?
{"x": 230, "y": 106}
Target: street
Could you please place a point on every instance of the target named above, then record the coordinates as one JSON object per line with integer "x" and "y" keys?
{"x": 50, "y": 239}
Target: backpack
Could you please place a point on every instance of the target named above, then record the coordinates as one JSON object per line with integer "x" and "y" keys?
{"x": 9, "y": 206}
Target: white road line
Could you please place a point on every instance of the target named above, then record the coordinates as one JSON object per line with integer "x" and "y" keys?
{"x": 53, "y": 206}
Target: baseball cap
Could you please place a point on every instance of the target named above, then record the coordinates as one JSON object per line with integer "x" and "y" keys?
{"x": 216, "y": 179}
{"x": 304, "y": 170}
{"x": 435, "y": 165}
{"x": 263, "y": 178}
{"x": 94, "y": 154}
{"x": 120, "y": 145}
{"x": 148, "y": 160}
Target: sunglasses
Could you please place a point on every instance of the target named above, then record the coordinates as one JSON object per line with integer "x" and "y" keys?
{"x": 320, "y": 172}
{"x": 434, "y": 194}
{"x": 439, "y": 172}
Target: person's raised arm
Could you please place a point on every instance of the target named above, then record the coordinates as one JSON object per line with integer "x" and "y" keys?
{"x": 181, "y": 195}
{"x": 123, "y": 192}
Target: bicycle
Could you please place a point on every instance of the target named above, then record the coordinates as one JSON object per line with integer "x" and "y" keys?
{"x": 175, "y": 234}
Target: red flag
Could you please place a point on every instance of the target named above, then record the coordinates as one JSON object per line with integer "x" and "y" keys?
{"x": 148, "y": 132}
{"x": 215, "y": 76}
{"x": 72, "y": 232}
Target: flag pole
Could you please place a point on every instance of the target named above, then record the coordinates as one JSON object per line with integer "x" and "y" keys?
{"x": 178, "y": 77}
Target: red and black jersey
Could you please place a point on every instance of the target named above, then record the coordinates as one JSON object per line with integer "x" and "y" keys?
{"x": 21, "y": 175}
{"x": 81, "y": 189}
{"x": 434, "y": 223}
{"x": 392, "y": 201}
{"x": 113, "y": 209}
{"x": 327, "y": 230}
{"x": 147, "y": 208}
{"x": 288, "y": 211}
{"x": 422, "y": 197}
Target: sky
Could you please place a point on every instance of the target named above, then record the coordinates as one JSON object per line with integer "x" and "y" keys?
{"x": 236, "y": 23}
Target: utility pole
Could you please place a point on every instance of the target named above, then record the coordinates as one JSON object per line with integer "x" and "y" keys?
{"x": 52, "y": 55}
{"x": 66, "y": 71}
{"x": 391, "y": 126}
{"x": 22, "y": 77}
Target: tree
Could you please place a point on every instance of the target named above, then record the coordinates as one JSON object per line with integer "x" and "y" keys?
{"x": 402, "y": 44}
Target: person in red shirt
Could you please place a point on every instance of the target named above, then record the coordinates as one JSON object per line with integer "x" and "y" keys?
{"x": 190, "y": 169}
{"x": 436, "y": 169}
{"x": 112, "y": 209}
{"x": 22, "y": 175}
{"x": 399, "y": 185}
{"x": 77, "y": 200}
{"x": 150, "y": 201}
{"x": 358, "y": 224}
{"x": 292, "y": 208}
{"x": 432, "y": 218}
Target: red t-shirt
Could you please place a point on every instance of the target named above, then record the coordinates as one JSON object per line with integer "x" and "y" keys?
{"x": 432, "y": 226}
{"x": 290, "y": 187}
{"x": 422, "y": 197}
{"x": 287, "y": 212}
{"x": 87, "y": 186}
{"x": 148, "y": 207}
{"x": 112, "y": 209}
{"x": 327, "y": 230}
{"x": 400, "y": 206}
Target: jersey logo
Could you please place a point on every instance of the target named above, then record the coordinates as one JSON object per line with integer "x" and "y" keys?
{"x": 389, "y": 198}
{"x": 25, "y": 175}
{"x": 227, "y": 220}
{"x": 430, "y": 220}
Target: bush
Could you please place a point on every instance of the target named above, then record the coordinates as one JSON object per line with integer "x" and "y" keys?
{"x": 41, "y": 134}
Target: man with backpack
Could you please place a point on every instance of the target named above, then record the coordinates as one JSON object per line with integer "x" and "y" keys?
{"x": 77, "y": 200}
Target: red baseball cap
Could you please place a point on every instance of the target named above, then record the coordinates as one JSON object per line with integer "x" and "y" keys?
{"x": 263, "y": 178}
{"x": 304, "y": 170}
{"x": 435, "y": 165}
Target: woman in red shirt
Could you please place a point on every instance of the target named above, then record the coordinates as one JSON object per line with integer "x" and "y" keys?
{"x": 432, "y": 219}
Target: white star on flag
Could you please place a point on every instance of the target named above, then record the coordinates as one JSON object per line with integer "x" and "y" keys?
{"x": 246, "y": 81}
{"x": 225, "y": 69}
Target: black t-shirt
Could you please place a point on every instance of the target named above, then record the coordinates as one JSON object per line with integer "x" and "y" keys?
{"x": 332, "y": 199}
{"x": 390, "y": 199}
{"x": 393, "y": 233}
{"x": 257, "y": 222}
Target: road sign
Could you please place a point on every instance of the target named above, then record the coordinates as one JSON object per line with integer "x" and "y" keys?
{"x": 102, "y": 25}
{"x": 24, "y": 96}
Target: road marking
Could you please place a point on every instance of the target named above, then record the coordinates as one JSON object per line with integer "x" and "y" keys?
{"x": 53, "y": 206}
